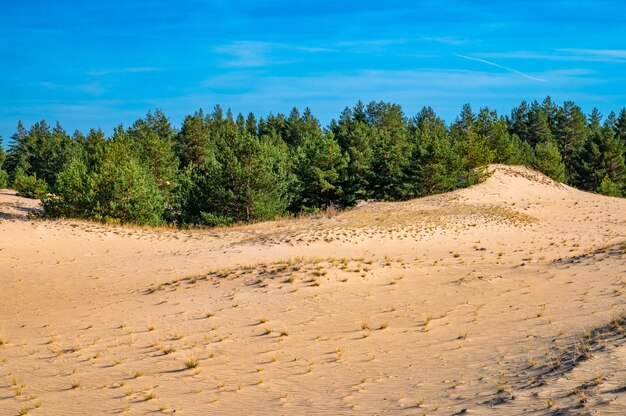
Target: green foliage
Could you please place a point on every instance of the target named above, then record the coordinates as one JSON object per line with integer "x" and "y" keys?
{"x": 601, "y": 156}
{"x": 246, "y": 179}
{"x": 549, "y": 161}
{"x": 470, "y": 140}
{"x": 125, "y": 190}
{"x": 390, "y": 151}
{"x": 4, "y": 176}
{"x": 220, "y": 169}
{"x": 319, "y": 166}
{"x": 355, "y": 139}
{"x": 29, "y": 186}
{"x": 74, "y": 194}
{"x": 435, "y": 166}
{"x": 570, "y": 135}
{"x": 610, "y": 188}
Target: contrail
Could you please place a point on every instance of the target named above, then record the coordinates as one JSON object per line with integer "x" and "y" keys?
{"x": 506, "y": 68}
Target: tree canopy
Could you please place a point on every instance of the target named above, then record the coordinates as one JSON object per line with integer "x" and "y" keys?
{"x": 219, "y": 169}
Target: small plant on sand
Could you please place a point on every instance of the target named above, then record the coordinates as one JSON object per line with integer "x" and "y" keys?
{"x": 149, "y": 396}
{"x": 75, "y": 384}
{"x": 192, "y": 362}
{"x": 426, "y": 322}
{"x": 169, "y": 350}
{"x": 23, "y": 411}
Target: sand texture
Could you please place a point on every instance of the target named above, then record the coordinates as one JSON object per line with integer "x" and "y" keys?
{"x": 506, "y": 298}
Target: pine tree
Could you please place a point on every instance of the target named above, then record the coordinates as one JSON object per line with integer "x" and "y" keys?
{"x": 319, "y": 167}
{"x": 472, "y": 147}
{"x": 193, "y": 144}
{"x": 571, "y": 134}
{"x": 549, "y": 160}
{"x": 390, "y": 151}
{"x": 355, "y": 140}
{"x": 4, "y": 176}
{"x": 495, "y": 130}
{"x": 602, "y": 156}
{"x": 620, "y": 127}
{"x": 519, "y": 122}
{"x": 435, "y": 166}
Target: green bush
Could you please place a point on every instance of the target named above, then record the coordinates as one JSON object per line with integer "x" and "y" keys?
{"x": 29, "y": 186}
{"x": 4, "y": 179}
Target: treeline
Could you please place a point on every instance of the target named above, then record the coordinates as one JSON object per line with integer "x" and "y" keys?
{"x": 219, "y": 169}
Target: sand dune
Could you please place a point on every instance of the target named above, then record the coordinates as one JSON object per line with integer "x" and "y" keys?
{"x": 504, "y": 298}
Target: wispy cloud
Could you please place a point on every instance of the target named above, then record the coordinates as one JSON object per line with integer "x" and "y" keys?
{"x": 566, "y": 55}
{"x": 372, "y": 43}
{"x": 610, "y": 54}
{"x": 253, "y": 54}
{"x": 91, "y": 88}
{"x": 506, "y": 68}
{"x": 447, "y": 40}
{"x": 99, "y": 72}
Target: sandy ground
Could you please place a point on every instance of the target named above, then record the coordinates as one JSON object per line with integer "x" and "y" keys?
{"x": 505, "y": 298}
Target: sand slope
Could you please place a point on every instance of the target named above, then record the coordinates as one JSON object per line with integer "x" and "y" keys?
{"x": 505, "y": 298}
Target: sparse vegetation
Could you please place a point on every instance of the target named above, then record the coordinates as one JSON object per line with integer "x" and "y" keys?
{"x": 191, "y": 362}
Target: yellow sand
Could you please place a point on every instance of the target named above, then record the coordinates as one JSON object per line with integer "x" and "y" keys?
{"x": 470, "y": 302}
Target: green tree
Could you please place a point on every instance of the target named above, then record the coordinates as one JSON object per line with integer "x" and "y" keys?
{"x": 602, "y": 156}
{"x": 495, "y": 130}
{"x": 435, "y": 165}
{"x": 472, "y": 147}
{"x": 319, "y": 167}
{"x": 571, "y": 133}
{"x": 4, "y": 176}
{"x": 355, "y": 140}
{"x": 74, "y": 196}
{"x": 391, "y": 150}
{"x": 28, "y": 186}
{"x": 549, "y": 161}
{"x": 193, "y": 142}
{"x": 247, "y": 180}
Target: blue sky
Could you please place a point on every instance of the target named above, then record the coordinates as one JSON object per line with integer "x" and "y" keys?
{"x": 96, "y": 64}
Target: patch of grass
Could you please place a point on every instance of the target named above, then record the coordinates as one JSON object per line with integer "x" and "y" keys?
{"x": 169, "y": 350}
{"x": 75, "y": 384}
{"x": 192, "y": 363}
{"x": 22, "y": 411}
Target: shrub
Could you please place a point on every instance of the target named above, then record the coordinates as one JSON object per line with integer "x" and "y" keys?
{"x": 29, "y": 186}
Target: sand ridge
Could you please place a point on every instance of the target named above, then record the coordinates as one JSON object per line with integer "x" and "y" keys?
{"x": 503, "y": 298}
